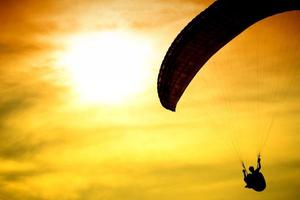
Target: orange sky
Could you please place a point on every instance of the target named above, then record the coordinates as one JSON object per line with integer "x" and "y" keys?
{"x": 61, "y": 137}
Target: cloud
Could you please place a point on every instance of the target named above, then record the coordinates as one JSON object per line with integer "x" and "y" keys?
{"x": 18, "y": 175}
{"x": 155, "y": 181}
{"x": 48, "y": 16}
{"x": 90, "y": 152}
{"x": 12, "y": 145}
{"x": 21, "y": 146}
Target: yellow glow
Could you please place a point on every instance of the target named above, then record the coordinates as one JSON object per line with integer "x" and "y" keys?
{"x": 108, "y": 67}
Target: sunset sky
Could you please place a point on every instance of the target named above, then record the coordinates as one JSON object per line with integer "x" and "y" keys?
{"x": 80, "y": 117}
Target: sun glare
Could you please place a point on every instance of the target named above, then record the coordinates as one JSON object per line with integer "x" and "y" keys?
{"x": 108, "y": 67}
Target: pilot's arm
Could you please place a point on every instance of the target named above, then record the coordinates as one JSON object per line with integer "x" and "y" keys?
{"x": 245, "y": 173}
{"x": 258, "y": 163}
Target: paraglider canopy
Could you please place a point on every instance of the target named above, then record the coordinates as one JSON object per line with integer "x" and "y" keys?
{"x": 204, "y": 36}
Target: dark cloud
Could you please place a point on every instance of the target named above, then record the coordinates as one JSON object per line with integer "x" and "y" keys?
{"x": 17, "y": 142}
{"x": 19, "y": 175}
{"x": 20, "y": 48}
{"x": 207, "y": 173}
{"x": 8, "y": 109}
{"x": 15, "y": 146}
{"x": 21, "y": 93}
{"x": 157, "y": 181}
{"x": 263, "y": 97}
{"x": 11, "y": 107}
{"x": 292, "y": 164}
{"x": 294, "y": 112}
{"x": 16, "y": 195}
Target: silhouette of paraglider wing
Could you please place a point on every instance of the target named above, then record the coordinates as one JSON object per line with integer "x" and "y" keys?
{"x": 204, "y": 36}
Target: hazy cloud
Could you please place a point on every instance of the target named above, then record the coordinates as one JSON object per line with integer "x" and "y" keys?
{"x": 53, "y": 148}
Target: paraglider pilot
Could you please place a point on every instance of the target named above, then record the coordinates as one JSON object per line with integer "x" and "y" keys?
{"x": 255, "y": 179}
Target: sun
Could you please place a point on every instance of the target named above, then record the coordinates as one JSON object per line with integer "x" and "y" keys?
{"x": 108, "y": 67}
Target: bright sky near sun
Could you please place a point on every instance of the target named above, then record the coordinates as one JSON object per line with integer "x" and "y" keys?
{"x": 80, "y": 117}
{"x": 108, "y": 67}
